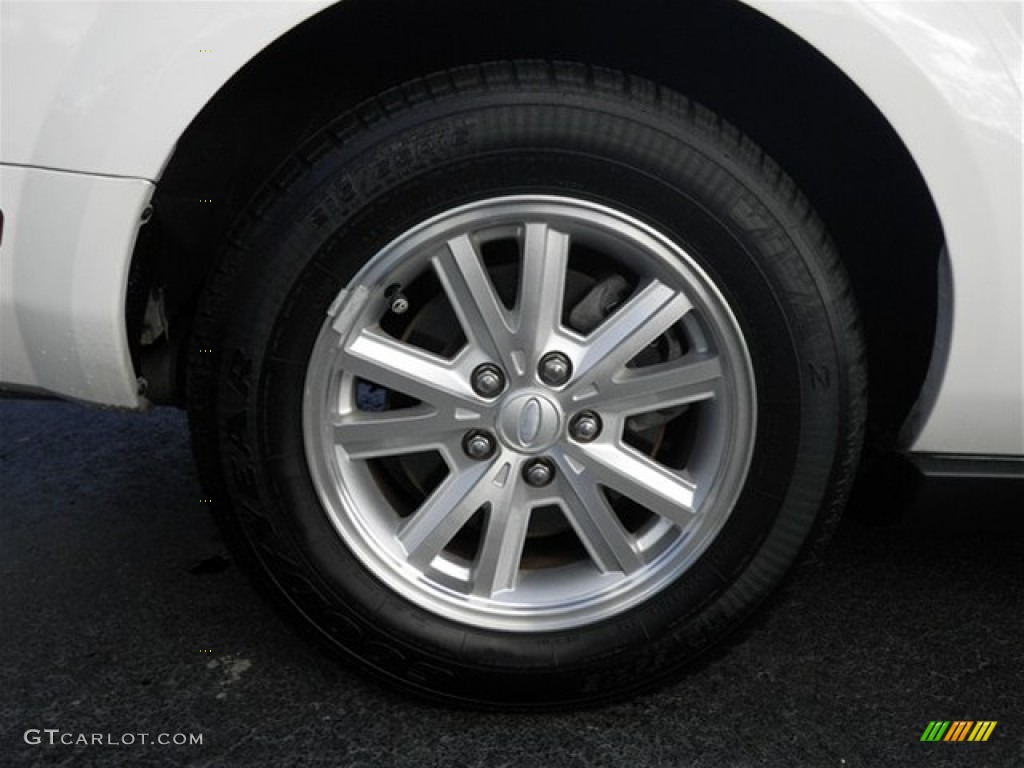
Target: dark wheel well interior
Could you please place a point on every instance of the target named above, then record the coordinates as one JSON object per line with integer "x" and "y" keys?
{"x": 755, "y": 73}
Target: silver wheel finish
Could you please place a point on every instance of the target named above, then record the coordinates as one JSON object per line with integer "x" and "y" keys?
{"x": 615, "y": 524}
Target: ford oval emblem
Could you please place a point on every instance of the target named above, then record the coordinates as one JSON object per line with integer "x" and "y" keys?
{"x": 529, "y": 422}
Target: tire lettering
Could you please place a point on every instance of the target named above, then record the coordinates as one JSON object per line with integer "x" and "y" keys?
{"x": 244, "y": 477}
{"x": 342, "y": 628}
{"x": 743, "y": 213}
{"x": 396, "y": 161}
{"x": 236, "y": 425}
{"x": 821, "y": 376}
{"x": 240, "y": 372}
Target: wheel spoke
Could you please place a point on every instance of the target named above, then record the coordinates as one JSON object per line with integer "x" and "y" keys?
{"x": 367, "y": 435}
{"x": 542, "y": 286}
{"x": 626, "y": 333}
{"x": 664, "y": 492}
{"x": 471, "y": 293}
{"x": 393, "y": 364}
{"x": 497, "y": 565}
{"x": 447, "y": 510}
{"x": 587, "y": 509}
{"x": 688, "y": 379}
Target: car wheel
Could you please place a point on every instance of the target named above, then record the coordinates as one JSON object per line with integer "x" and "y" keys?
{"x": 528, "y": 384}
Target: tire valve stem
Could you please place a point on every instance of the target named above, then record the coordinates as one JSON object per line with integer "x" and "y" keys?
{"x": 397, "y": 301}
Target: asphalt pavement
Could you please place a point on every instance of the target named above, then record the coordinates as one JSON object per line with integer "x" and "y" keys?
{"x": 121, "y": 614}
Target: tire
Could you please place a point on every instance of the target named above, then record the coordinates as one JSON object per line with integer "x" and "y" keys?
{"x": 529, "y": 383}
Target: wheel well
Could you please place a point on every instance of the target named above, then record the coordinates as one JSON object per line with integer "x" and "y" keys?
{"x": 777, "y": 89}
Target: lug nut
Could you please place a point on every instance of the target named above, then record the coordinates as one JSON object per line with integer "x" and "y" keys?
{"x": 554, "y": 369}
{"x": 539, "y": 472}
{"x": 478, "y": 445}
{"x": 488, "y": 380}
{"x": 585, "y": 426}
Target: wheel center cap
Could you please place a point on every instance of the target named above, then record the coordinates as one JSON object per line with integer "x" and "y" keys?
{"x": 530, "y": 422}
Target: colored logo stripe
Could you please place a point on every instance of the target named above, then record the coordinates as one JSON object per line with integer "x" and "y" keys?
{"x": 958, "y": 730}
{"x": 982, "y": 730}
{"x": 935, "y": 730}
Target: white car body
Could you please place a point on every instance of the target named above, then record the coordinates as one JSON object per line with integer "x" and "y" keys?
{"x": 96, "y": 95}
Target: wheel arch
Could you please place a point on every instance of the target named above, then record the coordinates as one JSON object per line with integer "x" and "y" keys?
{"x": 744, "y": 65}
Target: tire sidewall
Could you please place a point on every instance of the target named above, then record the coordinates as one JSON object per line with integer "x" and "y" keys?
{"x": 674, "y": 176}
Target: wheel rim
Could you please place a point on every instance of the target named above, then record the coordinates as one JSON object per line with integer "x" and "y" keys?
{"x": 529, "y": 413}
